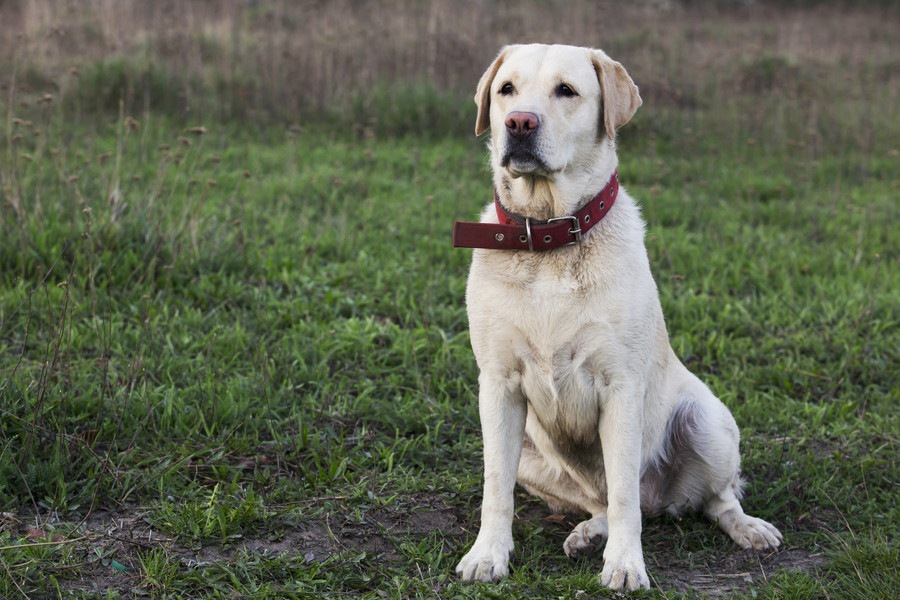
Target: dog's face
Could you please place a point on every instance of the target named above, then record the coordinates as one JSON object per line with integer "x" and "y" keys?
{"x": 549, "y": 106}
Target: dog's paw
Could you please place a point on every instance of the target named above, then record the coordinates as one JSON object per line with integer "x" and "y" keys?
{"x": 750, "y": 532}
{"x": 624, "y": 570}
{"x": 488, "y": 560}
{"x": 587, "y": 535}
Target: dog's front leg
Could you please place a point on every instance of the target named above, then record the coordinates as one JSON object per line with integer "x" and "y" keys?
{"x": 621, "y": 425}
{"x": 503, "y": 410}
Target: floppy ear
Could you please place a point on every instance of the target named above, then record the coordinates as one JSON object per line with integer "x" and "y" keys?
{"x": 483, "y": 93}
{"x": 619, "y": 95}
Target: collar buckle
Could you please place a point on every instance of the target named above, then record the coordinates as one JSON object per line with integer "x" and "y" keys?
{"x": 576, "y": 227}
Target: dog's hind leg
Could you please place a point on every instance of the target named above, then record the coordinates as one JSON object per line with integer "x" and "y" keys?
{"x": 704, "y": 449}
{"x": 587, "y": 536}
{"x": 563, "y": 493}
{"x": 746, "y": 531}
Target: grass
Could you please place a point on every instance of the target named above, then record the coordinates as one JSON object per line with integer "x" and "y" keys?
{"x": 234, "y": 357}
{"x": 255, "y": 345}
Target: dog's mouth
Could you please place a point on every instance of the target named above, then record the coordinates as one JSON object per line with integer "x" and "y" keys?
{"x": 521, "y": 160}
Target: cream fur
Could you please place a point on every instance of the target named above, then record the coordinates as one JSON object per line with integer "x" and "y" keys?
{"x": 582, "y": 400}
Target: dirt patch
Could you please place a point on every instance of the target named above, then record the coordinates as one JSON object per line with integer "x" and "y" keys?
{"x": 313, "y": 541}
{"x": 382, "y": 529}
{"x": 739, "y": 571}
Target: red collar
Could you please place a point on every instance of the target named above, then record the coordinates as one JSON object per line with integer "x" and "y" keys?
{"x": 515, "y": 232}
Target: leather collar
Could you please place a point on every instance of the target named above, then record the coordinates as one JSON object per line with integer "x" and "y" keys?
{"x": 515, "y": 232}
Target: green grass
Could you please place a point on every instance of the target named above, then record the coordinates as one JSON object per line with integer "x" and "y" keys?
{"x": 236, "y": 363}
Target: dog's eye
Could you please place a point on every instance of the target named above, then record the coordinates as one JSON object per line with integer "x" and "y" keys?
{"x": 506, "y": 89}
{"x": 565, "y": 91}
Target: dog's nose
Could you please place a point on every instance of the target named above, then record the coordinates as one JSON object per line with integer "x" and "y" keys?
{"x": 522, "y": 124}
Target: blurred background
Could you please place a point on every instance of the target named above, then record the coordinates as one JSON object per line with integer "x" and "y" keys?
{"x": 810, "y": 73}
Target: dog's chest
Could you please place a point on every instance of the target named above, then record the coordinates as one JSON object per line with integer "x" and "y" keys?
{"x": 562, "y": 374}
{"x": 562, "y": 347}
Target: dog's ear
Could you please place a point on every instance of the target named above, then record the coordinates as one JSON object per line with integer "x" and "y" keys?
{"x": 619, "y": 95}
{"x": 483, "y": 93}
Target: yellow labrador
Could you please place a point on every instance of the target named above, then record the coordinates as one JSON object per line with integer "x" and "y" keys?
{"x": 582, "y": 400}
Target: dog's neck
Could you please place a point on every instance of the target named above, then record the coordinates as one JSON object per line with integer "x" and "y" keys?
{"x": 559, "y": 194}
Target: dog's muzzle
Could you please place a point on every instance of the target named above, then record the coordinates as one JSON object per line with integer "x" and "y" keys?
{"x": 521, "y": 157}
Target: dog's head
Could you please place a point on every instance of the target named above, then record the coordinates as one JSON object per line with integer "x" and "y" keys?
{"x": 549, "y": 106}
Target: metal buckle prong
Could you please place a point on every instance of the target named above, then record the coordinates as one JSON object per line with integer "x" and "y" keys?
{"x": 576, "y": 227}
{"x": 528, "y": 233}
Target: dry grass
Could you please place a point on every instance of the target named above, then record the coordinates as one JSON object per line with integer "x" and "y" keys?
{"x": 283, "y": 58}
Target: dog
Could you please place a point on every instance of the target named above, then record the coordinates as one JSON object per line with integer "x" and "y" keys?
{"x": 581, "y": 397}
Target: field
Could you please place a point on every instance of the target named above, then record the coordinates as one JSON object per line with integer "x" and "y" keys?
{"x": 234, "y": 357}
